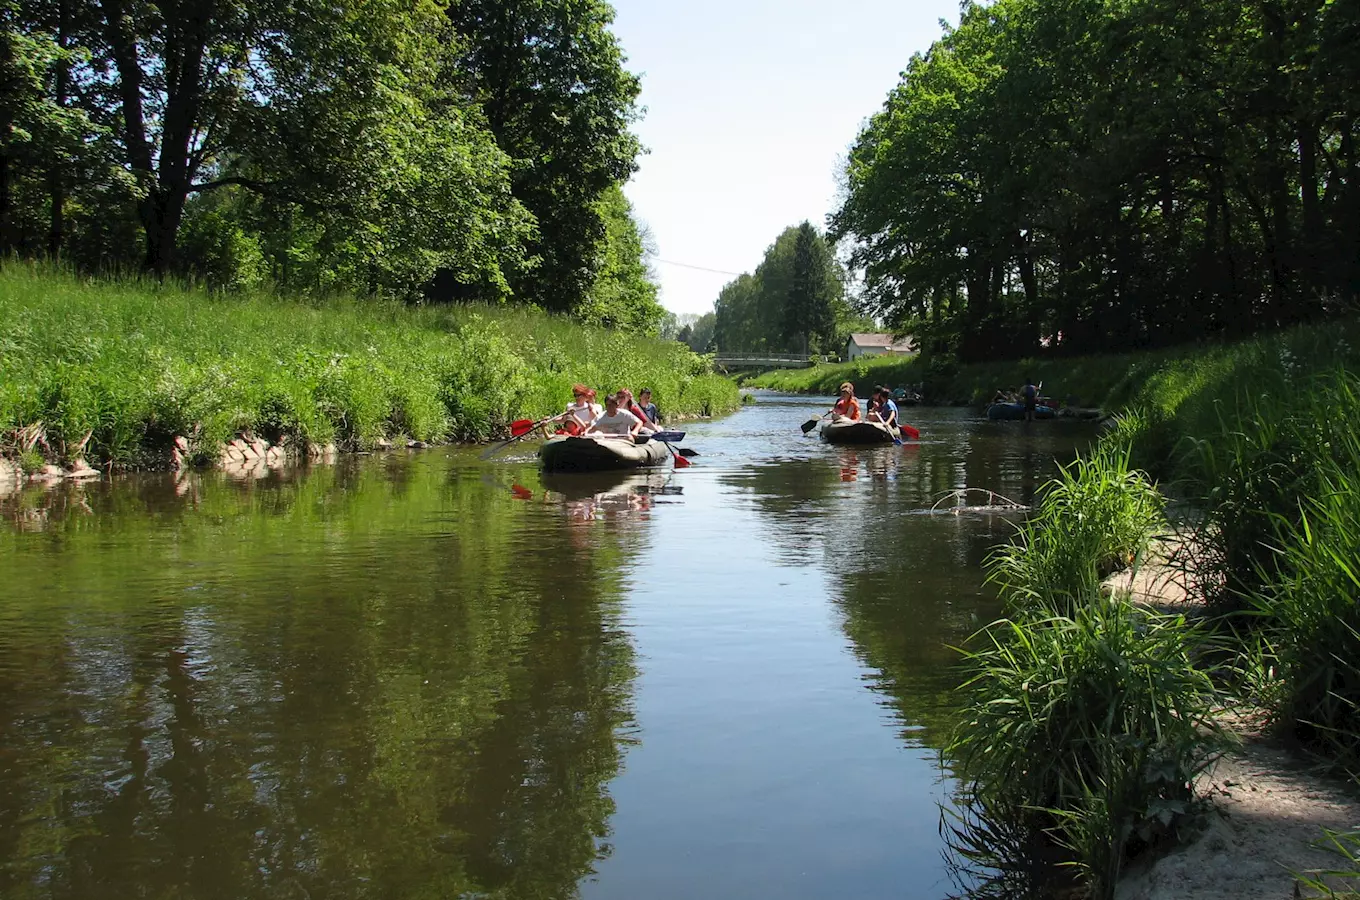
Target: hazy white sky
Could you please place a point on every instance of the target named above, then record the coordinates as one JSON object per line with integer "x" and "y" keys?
{"x": 751, "y": 105}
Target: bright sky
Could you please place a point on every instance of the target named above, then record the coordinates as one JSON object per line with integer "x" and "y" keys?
{"x": 750, "y": 107}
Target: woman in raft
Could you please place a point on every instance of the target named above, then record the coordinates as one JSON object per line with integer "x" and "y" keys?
{"x": 627, "y": 402}
{"x": 847, "y": 407}
{"x": 580, "y": 412}
{"x": 617, "y": 422}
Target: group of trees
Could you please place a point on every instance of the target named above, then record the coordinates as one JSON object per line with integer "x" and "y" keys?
{"x": 448, "y": 149}
{"x": 794, "y": 302}
{"x": 1087, "y": 175}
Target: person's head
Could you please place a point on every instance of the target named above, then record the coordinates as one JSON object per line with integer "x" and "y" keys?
{"x": 582, "y": 393}
{"x": 847, "y": 389}
{"x": 645, "y": 396}
{"x": 611, "y": 403}
{"x": 624, "y": 395}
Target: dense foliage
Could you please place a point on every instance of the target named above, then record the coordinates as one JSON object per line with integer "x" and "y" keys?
{"x": 1090, "y": 175}
{"x": 794, "y": 302}
{"x": 435, "y": 150}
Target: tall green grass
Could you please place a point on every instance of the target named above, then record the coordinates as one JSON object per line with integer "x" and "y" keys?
{"x": 132, "y": 363}
{"x": 1095, "y": 517}
{"x": 1087, "y": 718}
{"x": 1306, "y": 586}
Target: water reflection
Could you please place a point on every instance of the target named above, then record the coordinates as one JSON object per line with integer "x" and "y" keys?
{"x": 1003, "y": 860}
{"x": 906, "y": 577}
{"x": 417, "y": 675}
{"x": 368, "y": 680}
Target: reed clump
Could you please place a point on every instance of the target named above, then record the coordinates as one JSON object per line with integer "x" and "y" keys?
{"x": 125, "y": 365}
{"x": 1088, "y": 718}
{"x": 1095, "y": 517}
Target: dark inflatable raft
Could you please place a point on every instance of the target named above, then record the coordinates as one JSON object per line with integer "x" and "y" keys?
{"x": 858, "y": 433}
{"x": 590, "y": 454}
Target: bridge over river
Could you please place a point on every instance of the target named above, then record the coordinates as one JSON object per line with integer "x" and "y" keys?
{"x": 730, "y": 361}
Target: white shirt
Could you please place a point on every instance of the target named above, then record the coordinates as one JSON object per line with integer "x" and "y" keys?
{"x": 621, "y": 422}
{"x": 585, "y": 413}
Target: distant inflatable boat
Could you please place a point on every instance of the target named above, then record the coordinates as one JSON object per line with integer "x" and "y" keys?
{"x": 1017, "y": 411}
{"x": 858, "y": 433}
{"x": 589, "y": 454}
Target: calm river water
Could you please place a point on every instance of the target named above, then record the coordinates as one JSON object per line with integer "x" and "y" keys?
{"x": 428, "y": 676}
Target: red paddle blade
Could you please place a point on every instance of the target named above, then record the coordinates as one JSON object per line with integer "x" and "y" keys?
{"x": 522, "y": 426}
{"x": 910, "y": 432}
{"x": 521, "y": 492}
{"x": 681, "y": 462}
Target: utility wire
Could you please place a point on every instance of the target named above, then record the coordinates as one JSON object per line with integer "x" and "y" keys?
{"x": 700, "y": 268}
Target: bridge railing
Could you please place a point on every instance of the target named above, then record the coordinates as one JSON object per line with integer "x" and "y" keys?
{"x": 774, "y": 360}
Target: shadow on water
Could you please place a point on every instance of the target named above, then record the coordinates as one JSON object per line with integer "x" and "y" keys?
{"x": 993, "y": 860}
{"x": 337, "y": 683}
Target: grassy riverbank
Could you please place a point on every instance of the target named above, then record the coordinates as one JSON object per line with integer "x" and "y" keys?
{"x": 1259, "y": 442}
{"x": 1161, "y": 378}
{"x": 131, "y": 364}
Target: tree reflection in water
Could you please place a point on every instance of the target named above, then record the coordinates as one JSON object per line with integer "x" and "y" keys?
{"x": 369, "y": 680}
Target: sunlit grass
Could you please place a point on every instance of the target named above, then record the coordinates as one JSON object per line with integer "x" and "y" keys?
{"x": 1097, "y": 516}
{"x": 131, "y": 363}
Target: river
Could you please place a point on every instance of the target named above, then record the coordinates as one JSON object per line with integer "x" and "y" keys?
{"x": 424, "y": 675}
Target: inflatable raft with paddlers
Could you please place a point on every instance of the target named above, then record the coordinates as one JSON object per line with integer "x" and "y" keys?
{"x": 600, "y": 454}
{"x": 847, "y": 432}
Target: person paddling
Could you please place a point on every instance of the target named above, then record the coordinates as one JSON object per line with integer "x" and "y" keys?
{"x": 1030, "y": 394}
{"x": 847, "y": 407}
{"x": 616, "y": 423}
{"x": 648, "y": 407}
{"x": 886, "y": 410}
{"x": 580, "y": 412}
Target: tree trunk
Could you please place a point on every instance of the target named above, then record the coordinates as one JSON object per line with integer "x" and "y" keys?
{"x": 1237, "y": 317}
{"x": 6, "y": 239}
{"x": 1029, "y": 279}
{"x": 1310, "y": 244}
{"x": 167, "y": 181}
{"x": 1279, "y": 243}
{"x": 1349, "y": 217}
{"x": 56, "y": 178}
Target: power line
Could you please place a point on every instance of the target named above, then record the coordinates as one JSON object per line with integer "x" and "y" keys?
{"x": 700, "y": 268}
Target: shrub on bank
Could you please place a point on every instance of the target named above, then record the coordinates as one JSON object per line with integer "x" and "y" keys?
{"x": 1308, "y": 588}
{"x": 1096, "y": 517}
{"x": 1087, "y": 718}
{"x": 1090, "y": 726}
{"x": 130, "y": 364}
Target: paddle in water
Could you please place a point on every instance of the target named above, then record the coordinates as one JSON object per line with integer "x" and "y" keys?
{"x": 812, "y": 423}
{"x": 680, "y": 461}
{"x": 518, "y": 429}
{"x": 909, "y": 431}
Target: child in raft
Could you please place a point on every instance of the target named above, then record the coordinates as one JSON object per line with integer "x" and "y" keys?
{"x": 884, "y": 409}
{"x": 580, "y": 412}
{"x": 847, "y": 407}
{"x": 616, "y": 423}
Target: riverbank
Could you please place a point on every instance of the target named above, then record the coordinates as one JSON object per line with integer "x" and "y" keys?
{"x": 1250, "y": 456}
{"x": 102, "y": 374}
{"x": 1110, "y": 381}
{"x": 1265, "y": 801}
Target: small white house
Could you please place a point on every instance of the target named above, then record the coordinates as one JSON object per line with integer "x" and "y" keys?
{"x": 878, "y": 345}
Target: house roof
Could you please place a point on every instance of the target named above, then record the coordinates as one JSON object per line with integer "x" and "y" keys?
{"x": 883, "y": 340}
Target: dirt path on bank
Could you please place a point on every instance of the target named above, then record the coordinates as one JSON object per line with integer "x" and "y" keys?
{"x": 1268, "y": 803}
